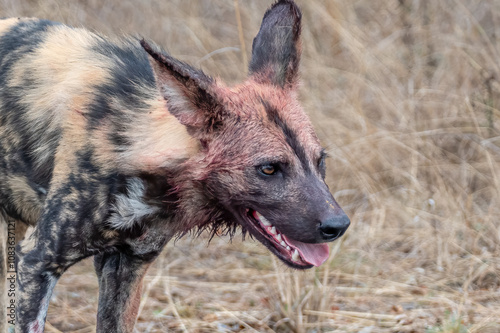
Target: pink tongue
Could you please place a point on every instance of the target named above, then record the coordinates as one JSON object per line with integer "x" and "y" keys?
{"x": 314, "y": 254}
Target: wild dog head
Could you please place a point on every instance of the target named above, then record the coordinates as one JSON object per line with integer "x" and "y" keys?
{"x": 260, "y": 164}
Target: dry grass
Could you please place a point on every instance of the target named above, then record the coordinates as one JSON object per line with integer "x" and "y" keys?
{"x": 405, "y": 95}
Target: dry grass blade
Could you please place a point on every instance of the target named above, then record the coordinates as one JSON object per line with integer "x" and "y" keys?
{"x": 244, "y": 57}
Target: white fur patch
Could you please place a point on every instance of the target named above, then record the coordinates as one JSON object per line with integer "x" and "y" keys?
{"x": 130, "y": 208}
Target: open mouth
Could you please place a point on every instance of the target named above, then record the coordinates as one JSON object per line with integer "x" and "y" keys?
{"x": 294, "y": 253}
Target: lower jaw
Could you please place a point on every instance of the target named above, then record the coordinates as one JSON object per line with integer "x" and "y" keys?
{"x": 276, "y": 249}
{"x": 294, "y": 264}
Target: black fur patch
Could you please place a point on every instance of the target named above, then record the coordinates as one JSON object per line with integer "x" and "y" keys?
{"x": 22, "y": 39}
{"x": 130, "y": 70}
{"x": 290, "y": 136}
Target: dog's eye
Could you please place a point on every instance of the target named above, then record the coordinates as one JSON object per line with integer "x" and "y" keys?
{"x": 268, "y": 169}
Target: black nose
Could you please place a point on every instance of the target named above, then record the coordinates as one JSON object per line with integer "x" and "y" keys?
{"x": 334, "y": 227}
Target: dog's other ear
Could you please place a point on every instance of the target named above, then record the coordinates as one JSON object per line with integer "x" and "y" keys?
{"x": 276, "y": 48}
{"x": 189, "y": 93}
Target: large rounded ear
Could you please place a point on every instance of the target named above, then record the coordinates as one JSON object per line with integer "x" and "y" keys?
{"x": 276, "y": 48}
{"x": 189, "y": 93}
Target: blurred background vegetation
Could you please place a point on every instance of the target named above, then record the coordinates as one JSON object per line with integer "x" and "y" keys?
{"x": 405, "y": 96}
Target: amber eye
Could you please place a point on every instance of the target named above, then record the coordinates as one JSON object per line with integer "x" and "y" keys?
{"x": 268, "y": 169}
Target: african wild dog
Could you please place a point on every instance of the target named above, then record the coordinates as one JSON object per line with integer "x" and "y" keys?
{"x": 111, "y": 147}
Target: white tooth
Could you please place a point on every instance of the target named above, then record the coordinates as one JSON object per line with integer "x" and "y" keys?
{"x": 263, "y": 220}
{"x": 288, "y": 248}
{"x": 295, "y": 255}
{"x": 283, "y": 244}
{"x": 278, "y": 238}
{"x": 273, "y": 230}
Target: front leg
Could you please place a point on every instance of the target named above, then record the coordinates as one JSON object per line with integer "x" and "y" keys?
{"x": 120, "y": 286}
{"x": 73, "y": 210}
{"x": 35, "y": 284}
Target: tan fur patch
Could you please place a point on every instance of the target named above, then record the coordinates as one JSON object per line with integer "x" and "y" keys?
{"x": 158, "y": 141}
{"x": 110, "y": 234}
{"x": 28, "y": 242}
{"x": 66, "y": 71}
{"x": 21, "y": 230}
